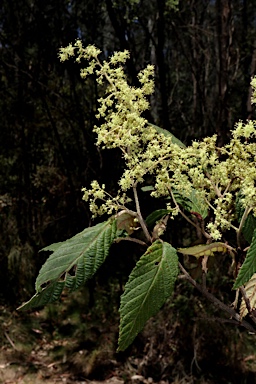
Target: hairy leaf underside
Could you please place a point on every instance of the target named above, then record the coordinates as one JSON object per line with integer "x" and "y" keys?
{"x": 150, "y": 284}
{"x": 72, "y": 262}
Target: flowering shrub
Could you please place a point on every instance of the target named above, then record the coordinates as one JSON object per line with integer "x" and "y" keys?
{"x": 213, "y": 188}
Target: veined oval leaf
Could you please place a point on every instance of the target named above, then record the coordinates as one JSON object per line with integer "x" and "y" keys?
{"x": 249, "y": 266}
{"x": 52, "y": 247}
{"x": 204, "y": 249}
{"x": 250, "y": 290}
{"x": 85, "y": 251}
{"x": 151, "y": 282}
{"x": 73, "y": 262}
{"x": 248, "y": 227}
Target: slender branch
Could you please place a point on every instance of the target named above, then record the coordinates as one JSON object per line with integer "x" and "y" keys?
{"x": 140, "y": 218}
{"x": 229, "y": 185}
{"x": 216, "y": 319}
{"x": 216, "y": 301}
{"x": 132, "y": 239}
{"x": 10, "y": 341}
{"x": 126, "y": 210}
{"x": 248, "y": 304}
{"x": 217, "y": 191}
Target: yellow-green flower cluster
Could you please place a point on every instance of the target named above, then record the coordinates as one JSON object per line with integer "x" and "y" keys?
{"x": 217, "y": 174}
{"x": 101, "y": 202}
{"x": 253, "y": 84}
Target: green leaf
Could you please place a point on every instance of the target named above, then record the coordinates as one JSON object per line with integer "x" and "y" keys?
{"x": 204, "y": 249}
{"x": 52, "y": 247}
{"x": 151, "y": 282}
{"x": 192, "y": 203}
{"x": 73, "y": 262}
{"x": 249, "y": 266}
{"x": 47, "y": 295}
{"x": 197, "y": 204}
{"x": 155, "y": 216}
{"x": 249, "y": 227}
{"x": 250, "y": 222}
{"x": 147, "y": 188}
{"x": 182, "y": 200}
{"x": 168, "y": 134}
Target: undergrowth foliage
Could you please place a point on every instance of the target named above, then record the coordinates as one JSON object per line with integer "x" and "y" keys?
{"x": 212, "y": 188}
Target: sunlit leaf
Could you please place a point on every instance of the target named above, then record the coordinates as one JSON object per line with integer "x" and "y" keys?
{"x": 147, "y": 188}
{"x": 204, "y": 249}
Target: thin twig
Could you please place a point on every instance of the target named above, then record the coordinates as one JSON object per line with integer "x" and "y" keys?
{"x": 10, "y": 341}
{"x": 217, "y": 191}
{"x": 216, "y": 319}
{"x": 248, "y": 304}
{"x": 229, "y": 185}
{"x": 133, "y": 239}
{"x": 204, "y": 281}
{"x": 140, "y": 218}
{"x": 216, "y": 301}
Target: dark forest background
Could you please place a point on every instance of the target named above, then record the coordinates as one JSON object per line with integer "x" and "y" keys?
{"x": 204, "y": 54}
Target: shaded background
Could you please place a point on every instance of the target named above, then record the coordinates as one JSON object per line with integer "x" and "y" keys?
{"x": 204, "y": 54}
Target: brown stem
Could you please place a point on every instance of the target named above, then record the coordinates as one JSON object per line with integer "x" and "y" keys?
{"x": 134, "y": 240}
{"x": 216, "y": 189}
{"x": 198, "y": 227}
{"x": 216, "y": 301}
{"x": 140, "y": 218}
{"x": 248, "y": 304}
